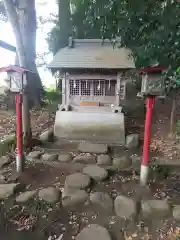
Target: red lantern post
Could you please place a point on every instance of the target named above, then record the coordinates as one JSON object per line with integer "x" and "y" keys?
{"x": 152, "y": 87}
{"x": 150, "y": 102}
{"x": 19, "y": 134}
{"x": 17, "y": 76}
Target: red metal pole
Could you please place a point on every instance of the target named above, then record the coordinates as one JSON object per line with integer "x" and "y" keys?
{"x": 19, "y": 134}
{"x": 150, "y": 102}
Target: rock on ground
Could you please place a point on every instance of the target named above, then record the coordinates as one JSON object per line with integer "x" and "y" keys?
{"x": 95, "y": 232}
{"x": 93, "y": 148}
{"x": 102, "y": 199}
{"x": 25, "y": 196}
{"x": 77, "y": 181}
{"x": 47, "y": 135}
{"x": 103, "y": 159}
{"x": 49, "y": 157}
{"x": 5, "y": 160}
{"x": 122, "y": 162}
{"x": 95, "y": 172}
{"x": 132, "y": 141}
{"x": 50, "y": 195}
{"x": 7, "y": 190}
{"x": 136, "y": 162}
{"x": 34, "y": 155}
{"x": 176, "y": 212}
{"x": 157, "y": 208}
{"x": 65, "y": 157}
{"x": 85, "y": 159}
{"x": 77, "y": 197}
{"x": 124, "y": 207}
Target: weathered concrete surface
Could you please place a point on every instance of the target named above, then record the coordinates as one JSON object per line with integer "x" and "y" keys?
{"x": 93, "y": 148}
{"x": 74, "y": 198}
{"x": 50, "y": 195}
{"x": 102, "y": 199}
{"x": 124, "y": 207}
{"x": 103, "y": 127}
{"x": 7, "y": 190}
{"x": 95, "y": 232}
{"x": 25, "y": 196}
{"x": 77, "y": 180}
{"x": 95, "y": 172}
{"x": 157, "y": 208}
{"x": 103, "y": 159}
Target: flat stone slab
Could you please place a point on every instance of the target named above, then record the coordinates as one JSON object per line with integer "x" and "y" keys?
{"x": 124, "y": 207}
{"x": 157, "y": 208}
{"x": 122, "y": 162}
{"x": 95, "y": 232}
{"x": 7, "y": 190}
{"x": 77, "y": 181}
{"x": 85, "y": 159}
{"x": 50, "y": 195}
{"x": 34, "y": 155}
{"x": 93, "y": 148}
{"x": 49, "y": 157}
{"x": 25, "y": 196}
{"x": 102, "y": 199}
{"x": 65, "y": 157}
{"x": 103, "y": 160}
{"x": 4, "y": 161}
{"x": 95, "y": 172}
{"x": 76, "y": 197}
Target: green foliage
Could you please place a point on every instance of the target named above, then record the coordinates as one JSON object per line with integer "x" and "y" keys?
{"x": 52, "y": 96}
{"x": 150, "y": 28}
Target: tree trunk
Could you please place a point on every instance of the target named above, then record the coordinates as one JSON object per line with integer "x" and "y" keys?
{"x": 23, "y": 21}
{"x": 173, "y": 116}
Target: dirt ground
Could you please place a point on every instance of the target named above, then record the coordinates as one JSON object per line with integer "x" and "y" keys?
{"x": 43, "y": 220}
{"x": 40, "y": 120}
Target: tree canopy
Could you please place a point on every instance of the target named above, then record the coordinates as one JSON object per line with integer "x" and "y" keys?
{"x": 151, "y": 28}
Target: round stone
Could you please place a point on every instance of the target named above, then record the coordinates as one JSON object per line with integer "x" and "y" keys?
{"x": 102, "y": 199}
{"x": 93, "y": 231}
{"x": 35, "y": 154}
{"x": 124, "y": 207}
{"x": 103, "y": 159}
{"x": 122, "y": 162}
{"x": 85, "y": 159}
{"x": 49, "y": 156}
{"x": 77, "y": 180}
{"x": 95, "y": 172}
{"x": 50, "y": 195}
{"x": 26, "y": 196}
{"x": 157, "y": 208}
{"x": 65, "y": 157}
{"x": 176, "y": 212}
{"x": 77, "y": 197}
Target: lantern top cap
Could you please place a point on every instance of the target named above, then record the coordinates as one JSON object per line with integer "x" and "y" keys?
{"x": 13, "y": 68}
{"x": 152, "y": 69}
